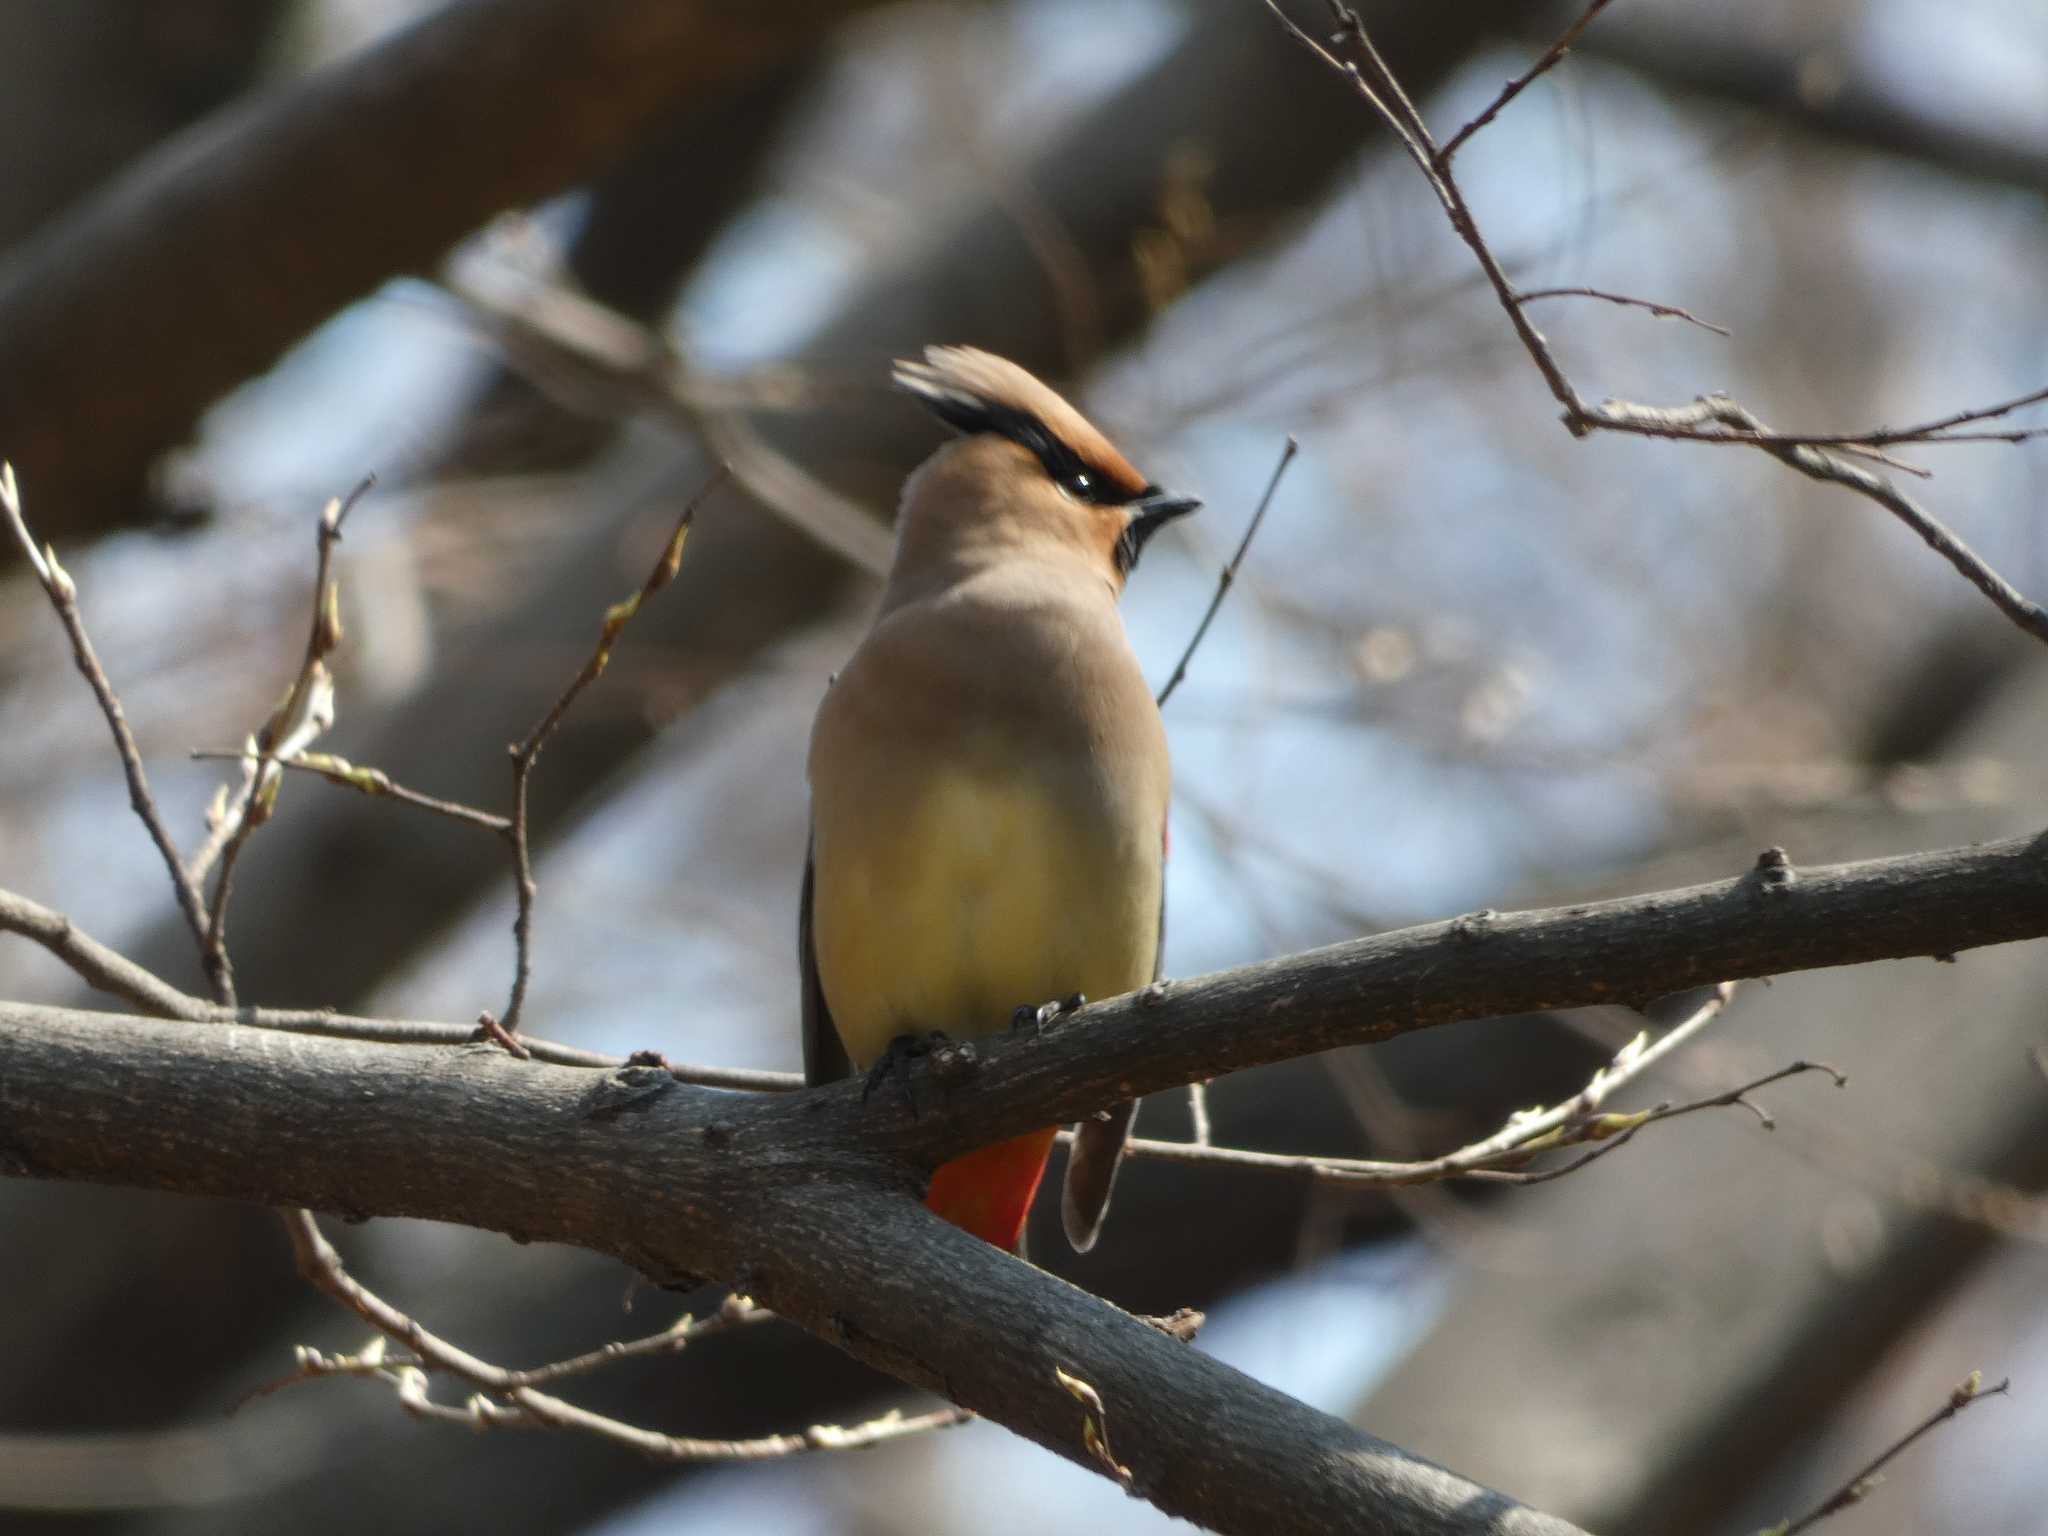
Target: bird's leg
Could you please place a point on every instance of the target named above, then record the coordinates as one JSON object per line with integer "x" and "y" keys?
{"x": 1029, "y": 1017}
{"x": 901, "y": 1052}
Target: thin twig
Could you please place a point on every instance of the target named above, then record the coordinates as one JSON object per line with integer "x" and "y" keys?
{"x": 1940, "y": 431}
{"x": 1661, "y": 311}
{"x": 505, "y": 1398}
{"x": 734, "y": 1312}
{"x": 1229, "y": 572}
{"x": 306, "y": 710}
{"x": 526, "y": 753}
{"x": 1198, "y": 1093}
{"x": 1858, "y": 1488}
{"x": 1714, "y": 419}
{"x": 1415, "y": 139}
{"x": 1819, "y": 464}
{"x": 113, "y": 973}
{"x": 373, "y": 782}
{"x": 63, "y": 594}
{"x": 1550, "y": 60}
{"x": 1576, "y": 1121}
{"x": 98, "y": 966}
{"x": 1602, "y": 1132}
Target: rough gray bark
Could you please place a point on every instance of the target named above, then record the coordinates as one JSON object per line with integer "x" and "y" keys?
{"x": 669, "y": 1180}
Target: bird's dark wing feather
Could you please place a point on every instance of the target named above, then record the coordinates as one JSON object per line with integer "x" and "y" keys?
{"x": 1098, "y": 1149}
{"x": 825, "y": 1059}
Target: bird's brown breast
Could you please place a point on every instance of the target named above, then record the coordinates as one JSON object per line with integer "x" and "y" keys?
{"x": 988, "y": 792}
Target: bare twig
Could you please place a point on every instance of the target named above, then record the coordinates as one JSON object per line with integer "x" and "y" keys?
{"x": 63, "y": 596}
{"x": 306, "y": 710}
{"x": 1940, "y": 431}
{"x": 1713, "y": 419}
{"x": 1229, "y": 573}
{"x": 1489, "y": 1161}
{"x": 1198, "y": 1093}
{"x": 365, "y": 780}
{"x": 508, "y": 1399}
{"x": 96, "y": 964}
{"x": 526, "y": 753}
{"x": 1858, "y": 1488}
{"x": 1818, "y": 464}
{"x": 488, "y": 1028}
{"x": 735, "y": 1311}
{"x": 1552, "y": 56}
{"x": 1661, "y": 311}
{"x": 115, "y": 974}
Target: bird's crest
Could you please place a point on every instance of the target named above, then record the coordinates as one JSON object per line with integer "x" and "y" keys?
{"x": 975, "y": 391}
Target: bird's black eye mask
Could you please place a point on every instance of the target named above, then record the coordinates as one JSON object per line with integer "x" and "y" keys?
{"x": 1151, "y": 508}
{"x": 971, "y": 415}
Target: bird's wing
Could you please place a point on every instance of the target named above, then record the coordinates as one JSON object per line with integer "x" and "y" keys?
{"x": 1098, "y": 1149}
{"x": 825, "y": 1059}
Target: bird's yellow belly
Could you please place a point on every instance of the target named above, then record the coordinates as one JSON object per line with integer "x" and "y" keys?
{"x": 970, "y": 897}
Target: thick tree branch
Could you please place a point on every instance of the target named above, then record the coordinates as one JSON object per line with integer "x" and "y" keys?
{"x": 674, "y": 1179}
{"x": 1628, "y": 950}
{"x": 801, "y": 1198}
{"x": 1632, "y": 949}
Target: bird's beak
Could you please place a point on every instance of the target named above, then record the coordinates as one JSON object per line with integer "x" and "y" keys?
{"x": 1150, "y": 513}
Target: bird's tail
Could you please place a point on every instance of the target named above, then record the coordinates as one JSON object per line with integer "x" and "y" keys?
{"x": 1092, "y": 1163}
{"x": 989, "y": 1190}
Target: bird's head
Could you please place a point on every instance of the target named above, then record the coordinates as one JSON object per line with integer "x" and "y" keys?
{"x": 1031, "y": 470}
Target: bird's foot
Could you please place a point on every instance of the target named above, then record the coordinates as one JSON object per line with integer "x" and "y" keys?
{"x": 1045, "y": 1014}
{"x": 897, "y": 1059}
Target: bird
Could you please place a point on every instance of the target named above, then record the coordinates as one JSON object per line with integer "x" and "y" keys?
{"x": 989, "y": 774}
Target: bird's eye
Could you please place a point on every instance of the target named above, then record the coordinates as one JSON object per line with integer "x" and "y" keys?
{"x": 1079, "y": 485}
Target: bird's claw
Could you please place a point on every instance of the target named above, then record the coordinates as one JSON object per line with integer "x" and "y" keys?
{"x": 1039, "y": 1017}
{"x": 902, "y": 1051}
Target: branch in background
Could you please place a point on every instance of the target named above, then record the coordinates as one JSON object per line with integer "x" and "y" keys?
{"x": 1661, "y": 311}
{"x": 305, "y": 712}
{"x": 555, "y": 335}
{"x": 1712, "y": 419}
{"x": 1576, "y": 1122}
{"x": 1228, "y": 574}
{"x": 63, "y": 594}
{"x": 1550, "y": 59}
{"x": 1858, "y": 1488}
{"x": 1198, "y": 1091}
{"x": 734, "y": 1312}
{"x": 113, "y": 973}
{"x": 526, "y": 753}
{"x": 104, "y": 969}
{"x": 365, "y": 780}
{"x": 507, "y": 1398}
{"x": 206, "y": 236}
{"x": 1818, "y": 464}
